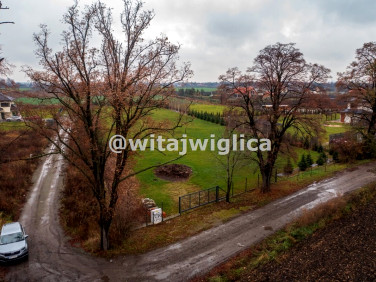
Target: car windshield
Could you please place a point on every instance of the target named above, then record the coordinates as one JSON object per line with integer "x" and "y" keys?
{"x": 11, "y": 238}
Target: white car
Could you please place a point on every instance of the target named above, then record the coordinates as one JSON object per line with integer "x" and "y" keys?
{"x": 14, "y": 118}
{"x": 13, "y": 244}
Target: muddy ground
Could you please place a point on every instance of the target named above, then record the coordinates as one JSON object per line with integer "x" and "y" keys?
{"x": 173, "y": 172}
{"x": 343, "y": 251}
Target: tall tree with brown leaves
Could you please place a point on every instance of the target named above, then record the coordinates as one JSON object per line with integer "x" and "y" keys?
{"x": 105, "y": 90}
{"x": 270, "y": 96}
{"x": 360, "y": 80}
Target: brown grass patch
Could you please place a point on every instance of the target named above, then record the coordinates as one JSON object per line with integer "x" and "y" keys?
{"x": 15, "y": 176}
{"x": 328, "y": 209}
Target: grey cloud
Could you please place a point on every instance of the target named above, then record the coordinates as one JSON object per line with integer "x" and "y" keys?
{"x": 218, "y": 34}
{"x": 355, "y": 11}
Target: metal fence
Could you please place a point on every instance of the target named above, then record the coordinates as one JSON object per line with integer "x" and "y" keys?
{"x": 201, "y": 198}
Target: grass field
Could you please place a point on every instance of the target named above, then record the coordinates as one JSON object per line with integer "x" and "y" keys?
{"x": 334, "y": 128}
{"x": 214, "y": 109}
{"x": 207, "y": 171}
{"x": 24, "y": 88}
{"x": 13, "y": 125}
{"x": 206, "y": 89}
{"x": 37, "y": 101}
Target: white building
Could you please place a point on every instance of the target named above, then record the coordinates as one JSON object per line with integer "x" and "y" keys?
{"x": 7, "y": 107}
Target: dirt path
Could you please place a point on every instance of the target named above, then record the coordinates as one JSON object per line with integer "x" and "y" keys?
{"x": 52, "y": 259}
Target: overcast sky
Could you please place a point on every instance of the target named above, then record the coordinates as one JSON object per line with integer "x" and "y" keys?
{"x": 215, "y": 34}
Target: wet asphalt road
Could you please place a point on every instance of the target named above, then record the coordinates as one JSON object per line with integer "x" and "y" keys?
{"x": 53, "y": 259}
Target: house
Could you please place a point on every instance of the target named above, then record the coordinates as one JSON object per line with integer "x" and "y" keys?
{"x": 235, "y": 95}
{"x": 355, "y": 115}
{"x": 7, "y": 107}
{"x": 241, "y": 91}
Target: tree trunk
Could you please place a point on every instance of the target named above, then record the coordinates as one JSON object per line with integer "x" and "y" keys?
{"x": 104, "y": 239}
{"x": 228, "y": 190}
{"x": 266, "y": 174}
{"x": 105, "y": 222}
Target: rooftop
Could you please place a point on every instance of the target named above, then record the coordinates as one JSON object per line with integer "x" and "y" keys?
{"x": 10, "y": 228}
{"x": 4, "y": 98}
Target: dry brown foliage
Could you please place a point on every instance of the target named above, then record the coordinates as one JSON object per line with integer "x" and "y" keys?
{"x": 17, "y": 144}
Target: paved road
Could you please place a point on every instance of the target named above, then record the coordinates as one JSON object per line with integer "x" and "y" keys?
{"x": 52, "y": 259}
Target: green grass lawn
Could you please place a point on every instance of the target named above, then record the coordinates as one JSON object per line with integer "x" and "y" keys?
{"x": 214, "y": 109}
{"x": 339, "y": 128}
{"x": 25, "y": 88}
{"x": 206, "y": 89}
{"x": 207, "y": 171}
{"x": 38, "y": 101}
{"x": 327, "y": 126}
{"x": 205, "y": 168}
{"x": 13, "y": 125}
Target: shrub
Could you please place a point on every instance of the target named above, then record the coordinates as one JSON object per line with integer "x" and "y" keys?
{"x": 309, "y": 160}
{"x": 324, "y": 156}
{"x": 320, "y": 149}
{"x": 129, "y": 212}
{"x": 306, "y": 142}
{"x": 288, "y": 168}
{"x": 302, "y": 163}
{"x": 16, "y": 144}
{"x": 335, "y": 157}
{"x": 320, "y": 160}
{"x": 80, "y": 209}
{"x": 347, "y": 148}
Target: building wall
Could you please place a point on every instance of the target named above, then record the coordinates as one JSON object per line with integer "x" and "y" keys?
{"x": 6, "y": 110}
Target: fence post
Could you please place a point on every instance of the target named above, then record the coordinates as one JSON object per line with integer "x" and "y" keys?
{"x": 180, "y": 205}
{"x": 216, "y": 194}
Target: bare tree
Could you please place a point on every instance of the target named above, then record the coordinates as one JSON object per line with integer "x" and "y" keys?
{"x": 270, "y": 97}
{"x": 106, "y": 90}
{"x": 231, "y": 161}
{"x": 360, "y": 79}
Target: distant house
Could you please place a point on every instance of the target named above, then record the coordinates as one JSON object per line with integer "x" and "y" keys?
{"x": 7, "y": 107}
{"x": 241, "y": 91}
{"x": 235, "y": 95}
{"x": 355, "y": 115}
